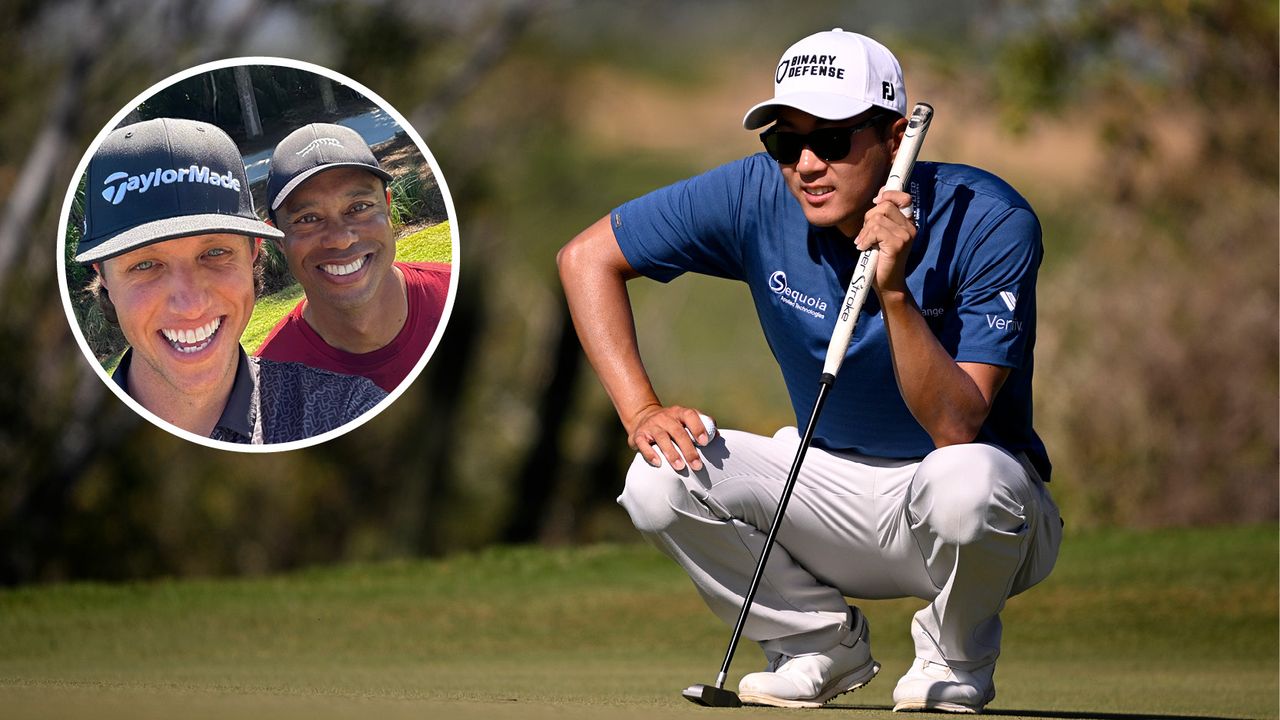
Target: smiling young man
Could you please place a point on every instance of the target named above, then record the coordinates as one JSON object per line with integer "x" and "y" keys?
{"x": 926, "y": 478}
{"x": 171, "y": 231}
{"x": 364, "y": 313}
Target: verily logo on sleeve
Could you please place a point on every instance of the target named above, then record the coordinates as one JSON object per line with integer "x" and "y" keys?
{"x": 144, "y": 182}
{"x": 803, "y": 302}
{"x": 996, "y": 322}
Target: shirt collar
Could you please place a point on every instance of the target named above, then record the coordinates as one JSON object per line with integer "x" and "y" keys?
{"x": 121, "y": 374}
{"x": 239, "y": 414}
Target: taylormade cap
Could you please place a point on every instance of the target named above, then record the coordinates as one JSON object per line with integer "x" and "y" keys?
{"x": 833, "y": 75}
{"x": 163, "y": 179}
{"x": 315, "y": 148}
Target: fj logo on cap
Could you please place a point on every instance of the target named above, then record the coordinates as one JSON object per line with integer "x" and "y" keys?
{"x": 886, "y": 89}
{"x": 146, "y": 181}
{"x": 317, "y": 143}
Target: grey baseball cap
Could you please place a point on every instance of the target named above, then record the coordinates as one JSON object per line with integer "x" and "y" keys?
{"x": 312, "y": 149}
{"x": 163, "y": 179}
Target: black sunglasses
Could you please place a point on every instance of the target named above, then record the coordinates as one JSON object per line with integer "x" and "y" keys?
{"x": 830, "y": 143}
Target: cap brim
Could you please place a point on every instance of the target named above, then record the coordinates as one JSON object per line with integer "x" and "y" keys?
{"x": 176, "y": 227}
{"x": 305, "y": 175}
{"x": 827, "y": 106}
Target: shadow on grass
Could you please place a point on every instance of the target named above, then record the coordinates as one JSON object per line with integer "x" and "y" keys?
{"x": 1104, "y": 715}
{"x": 1062, "y": 714}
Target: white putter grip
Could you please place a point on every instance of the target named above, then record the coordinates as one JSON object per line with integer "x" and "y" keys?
{"x": 860, "y": 283}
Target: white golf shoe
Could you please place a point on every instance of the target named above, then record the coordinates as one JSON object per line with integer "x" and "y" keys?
{"x": 809, "y": 681}
{"x": 937, "y": 687}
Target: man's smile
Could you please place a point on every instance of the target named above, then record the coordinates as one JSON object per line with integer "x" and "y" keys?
{"x": 193, "y": 340}
{"x": 340, "y": 269}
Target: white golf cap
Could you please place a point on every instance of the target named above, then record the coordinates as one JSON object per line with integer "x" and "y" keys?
{"x": 833, "y": 75}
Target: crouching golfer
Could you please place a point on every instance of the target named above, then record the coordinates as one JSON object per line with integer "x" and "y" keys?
{"x": 926, "y": 478}
{"x": 171, "y": 231}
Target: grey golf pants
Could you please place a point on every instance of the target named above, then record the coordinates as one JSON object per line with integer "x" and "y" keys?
{"x": 965, "y": 528}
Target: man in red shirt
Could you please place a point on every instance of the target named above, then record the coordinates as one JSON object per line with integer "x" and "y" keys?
{"x": 363, "y": 314}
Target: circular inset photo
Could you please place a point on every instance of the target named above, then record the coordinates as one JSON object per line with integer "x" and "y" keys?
{"x": 259, "y": 254}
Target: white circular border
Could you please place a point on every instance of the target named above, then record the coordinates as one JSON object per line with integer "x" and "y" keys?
{"x": 295, "y": 444}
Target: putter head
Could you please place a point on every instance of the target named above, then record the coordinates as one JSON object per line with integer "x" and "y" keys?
{"x": 711, "y": 696}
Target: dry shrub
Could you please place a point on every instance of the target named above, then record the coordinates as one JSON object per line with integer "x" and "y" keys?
{"x": 1157, "y": 386}
{"x": 1158, "y": 382}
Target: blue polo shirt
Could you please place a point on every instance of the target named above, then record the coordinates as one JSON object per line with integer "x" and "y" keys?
{"x": 972, "y": 272}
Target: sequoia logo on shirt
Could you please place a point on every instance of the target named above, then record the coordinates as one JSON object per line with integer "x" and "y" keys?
{"x": 803, "y": 302}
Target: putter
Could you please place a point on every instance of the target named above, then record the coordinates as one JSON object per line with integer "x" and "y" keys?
{"x": 715, "y": 695}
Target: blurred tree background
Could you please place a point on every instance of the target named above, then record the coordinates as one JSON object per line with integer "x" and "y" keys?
{"x": 1145, "y": 134}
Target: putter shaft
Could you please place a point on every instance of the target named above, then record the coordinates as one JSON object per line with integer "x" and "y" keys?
{"x": 824, "y": 387}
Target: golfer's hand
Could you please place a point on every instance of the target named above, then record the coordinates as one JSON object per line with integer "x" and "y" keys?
{"x": 886, "y": 228}
{"x": 657, "y": 431}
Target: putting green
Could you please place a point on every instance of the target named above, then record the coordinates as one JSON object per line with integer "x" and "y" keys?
{"x": 1169, "y": 624}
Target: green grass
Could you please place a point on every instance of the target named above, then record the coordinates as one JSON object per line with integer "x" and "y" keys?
{"x": 1170, "y": 624}
{"x": 110, "y": 363}
{"x": 267, "y": 311}
{"x": 432, "y": 244}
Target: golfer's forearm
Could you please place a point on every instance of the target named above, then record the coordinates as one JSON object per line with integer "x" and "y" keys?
{"x": 594, "y": 277}
{"x": 607, "y": 333}
{"x": 943, "y": 398}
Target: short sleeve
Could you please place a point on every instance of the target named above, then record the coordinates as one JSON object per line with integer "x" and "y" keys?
{"x": 691, "y": 226}
{"x": 995, "y": 304}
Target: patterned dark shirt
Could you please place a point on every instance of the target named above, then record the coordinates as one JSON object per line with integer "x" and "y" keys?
{"x": 275, "y": 402}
